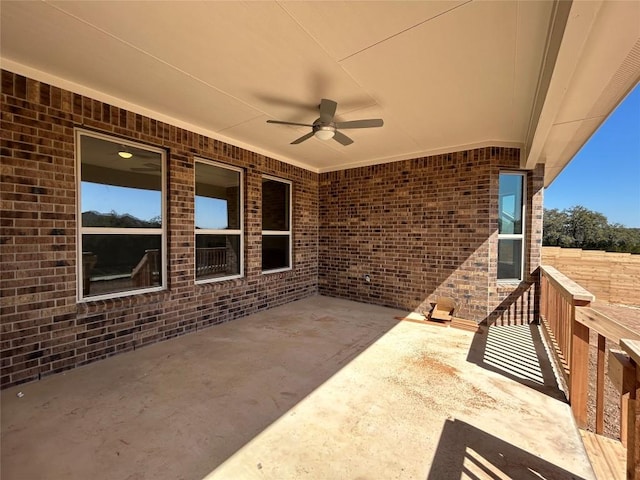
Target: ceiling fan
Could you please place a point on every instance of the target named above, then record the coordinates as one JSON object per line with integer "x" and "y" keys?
{"x": 325, "y": 127}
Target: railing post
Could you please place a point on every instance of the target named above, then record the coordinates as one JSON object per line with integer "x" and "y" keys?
{"x": 579, "y": 371}
{"x": 633, "y": 431}
{"x": 632, "y": 348}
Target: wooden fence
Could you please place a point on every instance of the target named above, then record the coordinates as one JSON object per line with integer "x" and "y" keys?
{"x": 611, "y": 277}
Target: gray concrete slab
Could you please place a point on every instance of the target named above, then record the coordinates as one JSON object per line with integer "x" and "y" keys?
{"x": 319, "y": 389}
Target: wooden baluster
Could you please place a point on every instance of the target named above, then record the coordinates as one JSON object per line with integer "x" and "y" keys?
{"x": 600, "y": 386}
{"x": 633, "y": 431}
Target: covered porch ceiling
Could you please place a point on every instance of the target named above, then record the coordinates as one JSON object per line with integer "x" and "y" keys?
{"x": 444, "y": 76}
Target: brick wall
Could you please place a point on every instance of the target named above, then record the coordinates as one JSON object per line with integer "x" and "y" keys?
{"x": 425, "y": 228}
{"x": 43, "y": 329}
{"x": 420, "y": 228}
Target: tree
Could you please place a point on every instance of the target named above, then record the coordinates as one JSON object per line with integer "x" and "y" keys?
{"x": 587, "y": 228}
{"x": 579, "y": 227}
{"x": 555, "y": 227}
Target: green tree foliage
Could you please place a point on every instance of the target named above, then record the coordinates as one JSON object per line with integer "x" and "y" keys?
{"x": 579, "y": 227}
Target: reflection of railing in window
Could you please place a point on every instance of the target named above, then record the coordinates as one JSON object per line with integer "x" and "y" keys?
{"x": 88, "y": 262}
{"x": 211, "y": 261}
{"x": 147, "y": 272}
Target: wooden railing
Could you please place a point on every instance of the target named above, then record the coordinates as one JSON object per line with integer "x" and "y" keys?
{"x": 147, "y": 272}
{"x": 211, "y": 260}
{"x": 88, "y": 262}
{"x": 568, "y": 319}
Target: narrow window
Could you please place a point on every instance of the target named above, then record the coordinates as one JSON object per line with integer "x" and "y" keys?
{"x": 121, "y": 217}
{"x": 511, "y": 226}
{"x": 218, "y": 221}
{"x": 276, "y": 225}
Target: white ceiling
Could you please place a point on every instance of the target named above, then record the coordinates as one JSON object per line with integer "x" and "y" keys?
{"x": 443, "y": 75}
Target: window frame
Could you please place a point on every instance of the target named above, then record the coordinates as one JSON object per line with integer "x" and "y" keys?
{"x": 214, "y": 231}
{"x": 514, "y": 236}
{"x": 80, "y": 230}
{"x": 288, "y": 233}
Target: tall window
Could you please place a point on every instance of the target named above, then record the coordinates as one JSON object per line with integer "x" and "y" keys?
{"x": 276, "y": 224}
{"x": 218, "y": 222}
{"x": 120, "y": 216}
{"x": 511, "y": 226}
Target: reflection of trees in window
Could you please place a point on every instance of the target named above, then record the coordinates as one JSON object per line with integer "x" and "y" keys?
{"x": 121, "y": 231}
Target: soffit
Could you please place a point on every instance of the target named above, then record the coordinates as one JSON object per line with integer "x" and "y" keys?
{"x": 607, "y": 67}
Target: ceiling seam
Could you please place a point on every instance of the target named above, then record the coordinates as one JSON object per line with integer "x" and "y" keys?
{"x": 586, "y": 119}
{"x": 240, "y": 123}
{"x": 404, "y": 31}
{"x": 144, "y": 52}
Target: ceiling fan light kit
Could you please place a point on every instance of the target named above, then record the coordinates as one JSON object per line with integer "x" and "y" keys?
{"x": 324, "y": 128}
{"x": 125, "y": 153}
{"x": 324, "y": 132}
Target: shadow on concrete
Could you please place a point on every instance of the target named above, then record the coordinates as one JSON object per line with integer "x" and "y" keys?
{"x": 465, "y": 451}
{"x": 518, "y": 353}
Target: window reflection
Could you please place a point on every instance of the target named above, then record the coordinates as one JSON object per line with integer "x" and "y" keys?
{"x": 114, "y": 263}
{"x": 218, "y": 224}
{"x": 217, "y": 197}
{"x": 119, "y": 195}
{"x": 275, "y": 252}
{"x": 126, "y": 190}
{"x": 510, "y": 197}
{"x": 275, "y": 205}
{"x": 509, "y": 258}
{"x": 217, "y": 256}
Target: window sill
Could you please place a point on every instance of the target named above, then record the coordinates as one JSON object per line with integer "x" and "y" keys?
{"x": 276, "y": 270}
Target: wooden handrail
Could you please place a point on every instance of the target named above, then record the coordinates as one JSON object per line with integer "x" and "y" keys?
{"x": 632, "y": 347}
{"x": 568, "y": 318}
{"x": 577, "y": 293}
{"x": 603, "y": 325}
{"x": 146, "y": 272}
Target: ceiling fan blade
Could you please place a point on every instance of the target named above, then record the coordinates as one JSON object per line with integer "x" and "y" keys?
{"x": 303, "y": 138}
{"x": 327, "y": 110}
{"x": 290, "y": 123}
{"x": 369, "y": 123}
{"x": 342, "y": 138}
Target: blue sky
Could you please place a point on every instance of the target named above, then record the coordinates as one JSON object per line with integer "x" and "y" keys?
{"x": 145, "y": 204}
{"x": 605, "y": 174}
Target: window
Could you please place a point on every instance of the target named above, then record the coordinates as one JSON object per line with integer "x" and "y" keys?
{"x": 121, "y": 217}
{"x": 511, "y": 226}
{"x": 218, "y": 222}
{"x": 276, "y": 224}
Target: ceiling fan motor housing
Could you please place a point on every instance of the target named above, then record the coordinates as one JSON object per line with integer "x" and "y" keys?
{"x": 320, "y": 127}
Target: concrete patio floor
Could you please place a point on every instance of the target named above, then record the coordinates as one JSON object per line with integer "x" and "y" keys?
{"x": 321, "y": 388}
